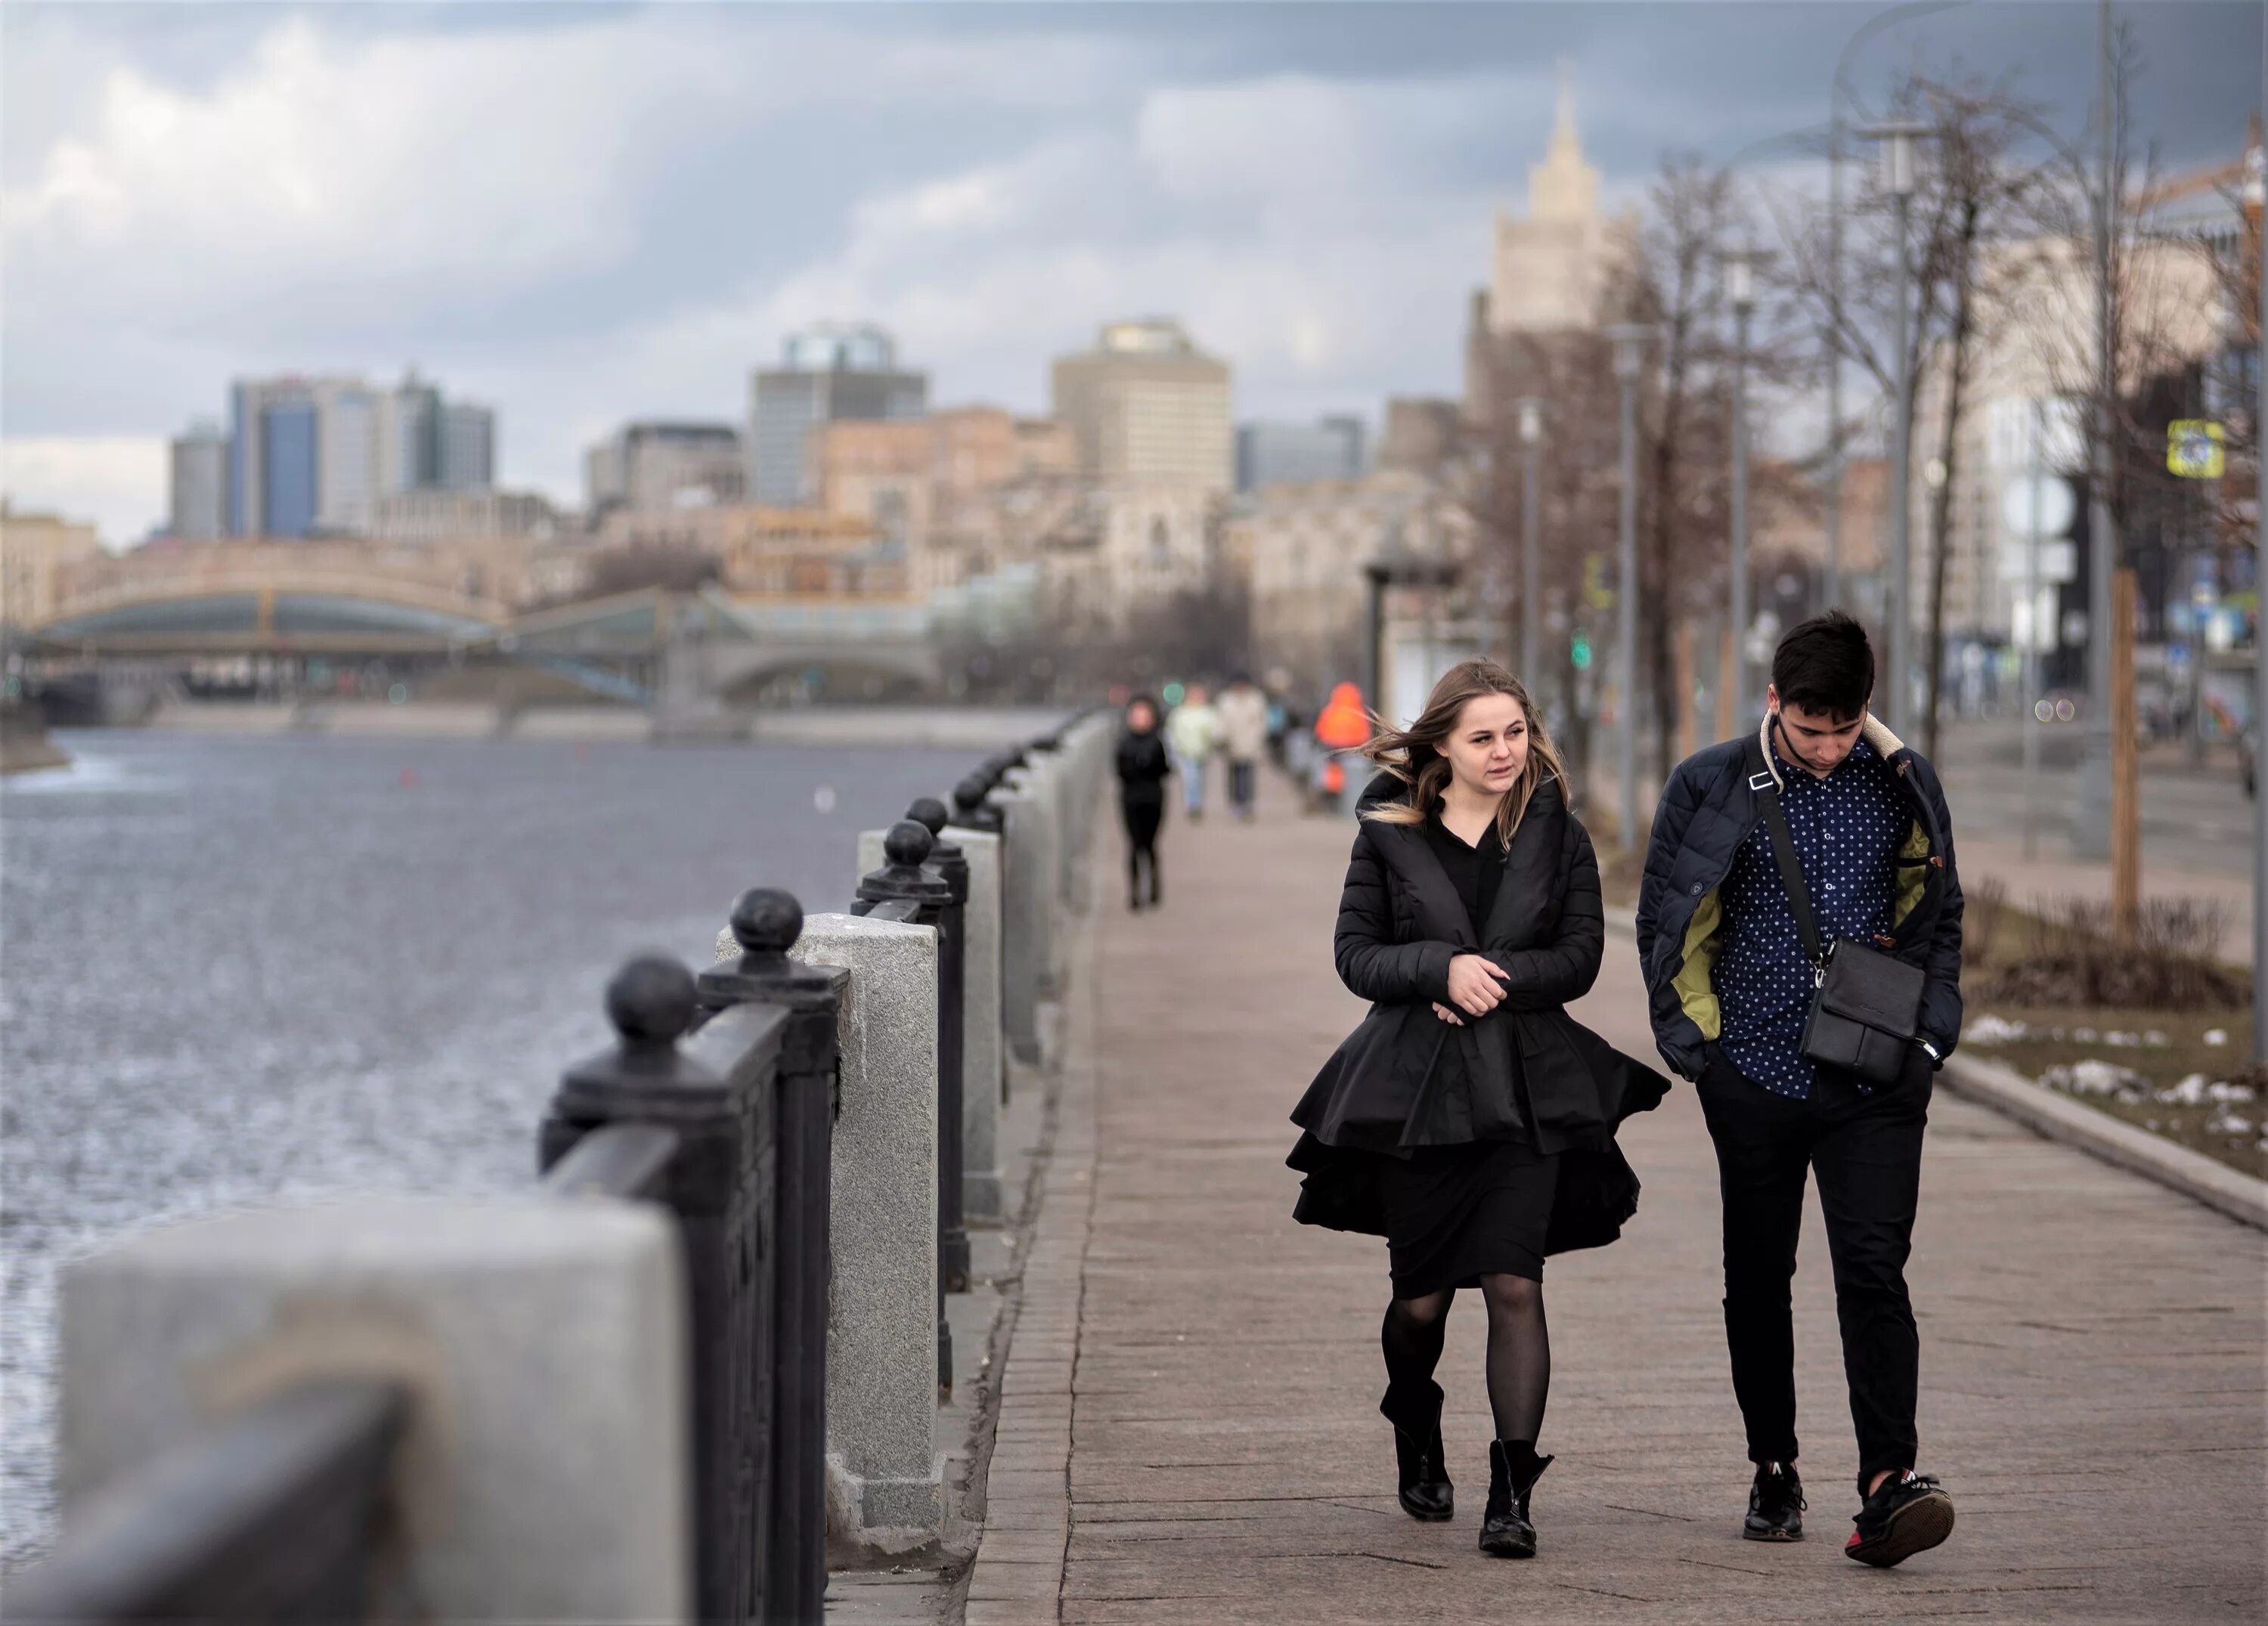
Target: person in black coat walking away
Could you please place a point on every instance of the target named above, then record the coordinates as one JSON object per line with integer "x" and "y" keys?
{"x": 1142, "y": 765}
{"x": 1469, "y": 1120}
{"x": 1731, "y": 980}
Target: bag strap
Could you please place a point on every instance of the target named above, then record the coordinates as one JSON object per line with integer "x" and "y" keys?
{"x": 1766, "y": 787}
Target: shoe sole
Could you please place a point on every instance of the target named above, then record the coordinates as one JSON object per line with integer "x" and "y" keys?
{"x": 1423, "y": 1518}
{"x": 1749, "y": 1532}
{"x": 1921, "y": 1523}
{"x": 1509, "y": 1549}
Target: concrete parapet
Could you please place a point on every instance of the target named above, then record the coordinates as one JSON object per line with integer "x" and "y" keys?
{"x": 882, "y": 1325}
{"x": 544, "y": 1474}
{"x": 1038, "y": 791}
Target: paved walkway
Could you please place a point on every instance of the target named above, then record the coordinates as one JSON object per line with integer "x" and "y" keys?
{"x": 1189, "y": 1429}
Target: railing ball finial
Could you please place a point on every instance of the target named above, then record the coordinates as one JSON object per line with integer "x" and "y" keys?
{"x": 766, "y": 921}
{"x": 930, "y": 813}
{"x": 651, "y": 1001}
{"x": 969, "y": 795}
{"x": 908, "y": 844}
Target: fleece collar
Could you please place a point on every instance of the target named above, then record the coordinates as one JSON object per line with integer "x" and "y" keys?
{"x": 1874, "y": 731}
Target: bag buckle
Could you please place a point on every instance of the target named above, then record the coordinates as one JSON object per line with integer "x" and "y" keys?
{"x": 1761, "y": 781}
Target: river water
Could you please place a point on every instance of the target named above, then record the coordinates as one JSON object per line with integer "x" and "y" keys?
{"x": 238, "y": 970}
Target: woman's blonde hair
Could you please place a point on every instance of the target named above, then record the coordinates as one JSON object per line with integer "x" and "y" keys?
{"x": 1413, "y": 754}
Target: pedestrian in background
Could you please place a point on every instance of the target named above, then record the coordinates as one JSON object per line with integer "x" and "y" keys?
{"x": 1779, "y": 861}
{"x": 1469, "y": 1119}
{"x": 1193, "y": 733}
{"x": 1243, "y": 711}
{"x": 1341, "y": 730}
{"x": 1142, "y": 769}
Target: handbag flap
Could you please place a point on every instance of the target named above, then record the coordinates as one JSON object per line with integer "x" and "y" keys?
{"x": 1866, "y": 985}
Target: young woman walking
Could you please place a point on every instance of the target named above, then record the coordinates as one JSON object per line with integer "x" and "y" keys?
{"x": 1143, "y": 766}
{"x": 1469, "y": 1120}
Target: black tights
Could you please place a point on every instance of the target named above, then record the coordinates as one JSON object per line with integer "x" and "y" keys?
{"x": 1138, "y": 857}
{"x": 1518, "y": 1355}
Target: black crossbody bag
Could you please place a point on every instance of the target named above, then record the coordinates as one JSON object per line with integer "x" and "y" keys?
{"x": 1866, "y": 1005}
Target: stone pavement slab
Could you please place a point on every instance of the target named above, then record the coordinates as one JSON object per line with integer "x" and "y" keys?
{"x": 1190, "y": 1431}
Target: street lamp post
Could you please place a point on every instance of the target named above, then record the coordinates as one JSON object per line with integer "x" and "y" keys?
{"x": 1531, "y": 567}
{"x": 1898, "y": 178}
{"x": 1630, "y": 341}
{"x": 1741, "y": 289}
{"x": 2255, "y": 195}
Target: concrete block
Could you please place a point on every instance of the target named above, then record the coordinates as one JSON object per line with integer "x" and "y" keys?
{"x": 983, "y": 1075}
{"x": 1022, "y": 922}
{"x": 881, "y": 1332}
{"x": 545, "y": 1475}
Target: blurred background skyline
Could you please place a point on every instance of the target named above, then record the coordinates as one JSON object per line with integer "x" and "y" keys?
{"x": 579, "y": 216}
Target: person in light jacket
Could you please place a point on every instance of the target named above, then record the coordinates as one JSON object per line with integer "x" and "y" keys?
{"x": 1469, "y": 1120}
{"x": 1243, "y": 711}
{"x": 1192, "y": 734}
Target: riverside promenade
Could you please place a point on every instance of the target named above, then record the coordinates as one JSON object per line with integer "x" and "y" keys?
{"x": 1188, "y": 1428}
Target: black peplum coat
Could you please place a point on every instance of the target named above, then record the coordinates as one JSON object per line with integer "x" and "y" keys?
{"x": 1400, "y": 923}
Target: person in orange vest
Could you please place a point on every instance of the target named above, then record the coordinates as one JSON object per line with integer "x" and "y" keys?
{"x": 1343, "y": 727}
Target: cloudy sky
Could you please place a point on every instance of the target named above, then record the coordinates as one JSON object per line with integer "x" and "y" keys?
{"x": 584, "y": 213}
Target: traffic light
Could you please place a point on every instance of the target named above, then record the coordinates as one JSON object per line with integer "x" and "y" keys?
{"x": 1581, "y": 650}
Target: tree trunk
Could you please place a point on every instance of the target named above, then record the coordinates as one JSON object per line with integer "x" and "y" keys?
{"x": 1940, "y": 507}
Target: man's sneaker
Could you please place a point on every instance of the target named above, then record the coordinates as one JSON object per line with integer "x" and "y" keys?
{"x": 1909, "y": 1513}
{"x": 1775, "y": 1505}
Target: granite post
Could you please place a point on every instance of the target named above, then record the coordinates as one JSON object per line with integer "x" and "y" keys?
{"x": 1021, "y": 941}
{"x": 882, "y": 1329}
{"x": 981, "y": 1005}
{"x": 544, "y": 1474}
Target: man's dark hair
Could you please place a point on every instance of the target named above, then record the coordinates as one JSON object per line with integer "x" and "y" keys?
{"x": 1825, "y": 665}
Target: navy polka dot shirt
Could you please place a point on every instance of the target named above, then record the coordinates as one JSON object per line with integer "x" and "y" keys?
{"x": 1847, "y": 828}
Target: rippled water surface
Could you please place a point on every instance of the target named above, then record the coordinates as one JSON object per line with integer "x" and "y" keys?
{"x": 233, "y": 970}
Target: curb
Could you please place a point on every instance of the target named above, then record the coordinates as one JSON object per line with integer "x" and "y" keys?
{"x": 2058, "y": 1118}
{"x": 2073, "y": 1123}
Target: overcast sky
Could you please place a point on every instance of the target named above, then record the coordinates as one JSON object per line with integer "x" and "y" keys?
{"x": 585, "y": 213}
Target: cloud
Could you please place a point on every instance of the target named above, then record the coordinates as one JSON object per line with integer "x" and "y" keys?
{"x": 118, "y": 482}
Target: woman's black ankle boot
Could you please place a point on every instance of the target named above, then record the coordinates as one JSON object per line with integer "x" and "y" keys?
{"x": 1513, "y": 1469}
{"x": 1426, "y": 1492}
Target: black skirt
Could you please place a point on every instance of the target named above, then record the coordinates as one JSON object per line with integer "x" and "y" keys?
{"x": 1456, "y": 1213}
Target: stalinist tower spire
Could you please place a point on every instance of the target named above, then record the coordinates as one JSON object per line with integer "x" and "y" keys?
{"x": 1564, "y": 186}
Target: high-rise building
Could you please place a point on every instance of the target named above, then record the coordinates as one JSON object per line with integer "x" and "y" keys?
{"x": 1146, "y": 404}
{"x": 649, "y": 466}
{"x": 467, "y": 452}
{"x": 1272, "y": 454}
{"x": 829, "y": 373}
{"x": 409, "y": 437}
{"x": 198, "y": 508}
{"x": 316, "y": 456}
{"x": 346, "y": 456}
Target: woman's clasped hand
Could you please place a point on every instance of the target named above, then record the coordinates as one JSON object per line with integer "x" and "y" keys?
{"x": 1475, "y": 987}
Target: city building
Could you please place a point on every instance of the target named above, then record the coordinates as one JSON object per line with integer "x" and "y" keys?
{"x": 1424, "y": 435}
{"x": 1302, "y": 549}
{"x": 1548, "y": 271}
{"x": 310, "y": 457}
{"x": 1279, "y": 454}
{"x": 1129, "y": 549}
{"x": 466, "y": 459}
{"x": 1145, "y": 404}
{"x": 926, "y": 484}
{"x": 198, "y": 482}
{"x": 2034, "y": 353}
{"x": 37, "y": 551}
{"x": 442, "y": 516}
{"x": 829, "y": 373}
{"x": 651, "y": 466}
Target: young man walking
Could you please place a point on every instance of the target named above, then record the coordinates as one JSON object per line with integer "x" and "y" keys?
{"x": 1730, "y": 982}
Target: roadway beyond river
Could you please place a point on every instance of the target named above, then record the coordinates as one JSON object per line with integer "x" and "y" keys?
{"x": 238, "y": 969}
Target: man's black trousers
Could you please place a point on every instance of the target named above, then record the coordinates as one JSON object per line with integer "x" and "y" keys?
{"x": 1866, "y": 1149}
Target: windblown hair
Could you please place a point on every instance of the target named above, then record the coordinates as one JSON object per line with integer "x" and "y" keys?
{"x": 1413, "y": 754}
